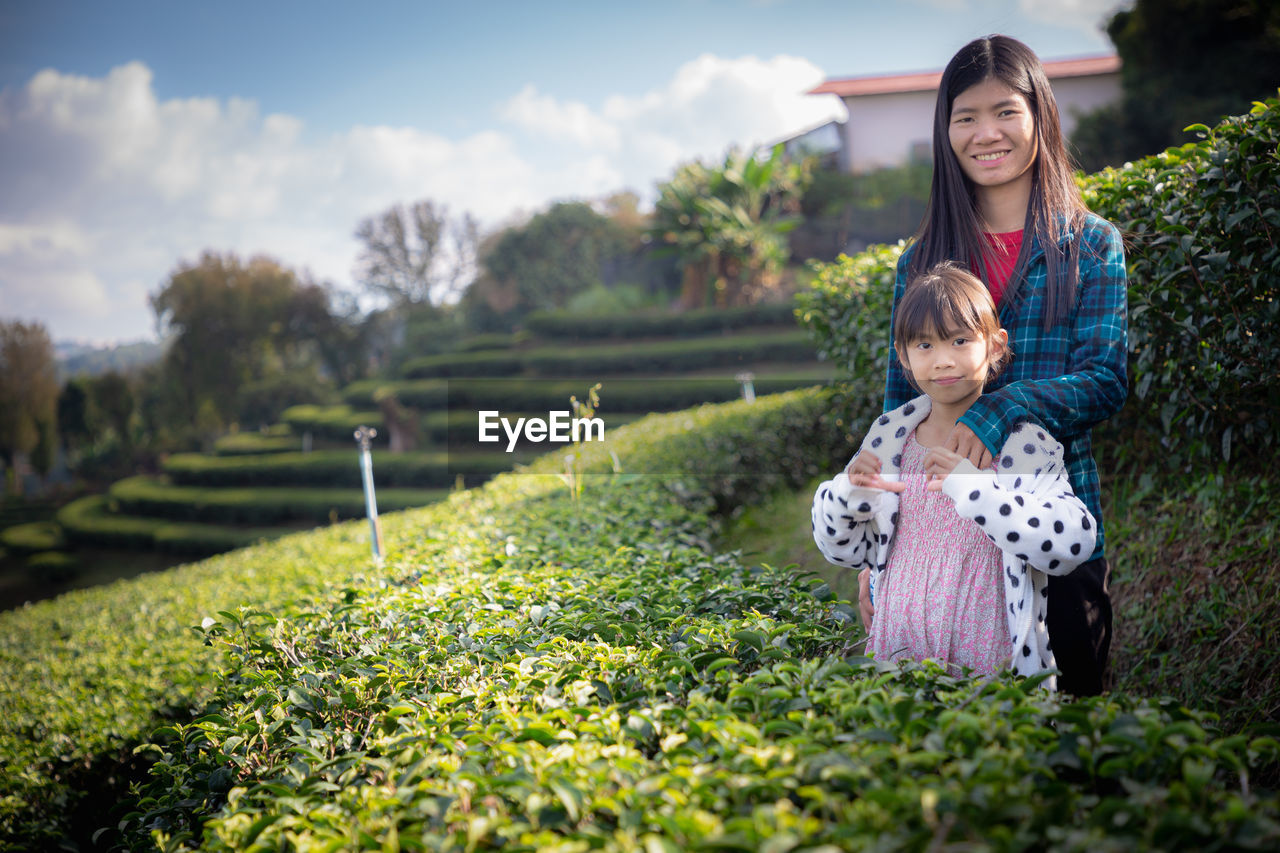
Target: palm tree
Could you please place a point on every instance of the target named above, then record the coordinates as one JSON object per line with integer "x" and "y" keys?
{"x": 727, "y": 224}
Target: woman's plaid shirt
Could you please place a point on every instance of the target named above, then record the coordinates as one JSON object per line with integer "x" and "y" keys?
{"x": 1067, "y": 378}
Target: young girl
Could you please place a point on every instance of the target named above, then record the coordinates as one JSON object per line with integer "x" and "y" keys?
{"x": 1004, "y": 203}
{"x": 959, "y": 558}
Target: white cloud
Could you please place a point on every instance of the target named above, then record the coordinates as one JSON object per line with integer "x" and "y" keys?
{"x": 1089, "y": 16}
{"x": 710, "y": 104}
{"x": 108, "y": 188}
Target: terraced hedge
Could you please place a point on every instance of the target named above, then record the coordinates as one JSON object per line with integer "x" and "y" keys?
{"x": 531, "y": 395}
{"x": 562, "y": 325}
{"x": 676, "y": 356}
{"x": 535, "y": 671}
{"x": 89, "y": 521}
{"x": 337, "y": 469}
{"x": 148, "y": 496}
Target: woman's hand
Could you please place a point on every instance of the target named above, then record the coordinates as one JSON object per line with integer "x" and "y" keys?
{"x": 864, "y": 472}
{"x": 937, "y": 465}
{"x": 865, "y": 610}
{"x": 963, "y": 441}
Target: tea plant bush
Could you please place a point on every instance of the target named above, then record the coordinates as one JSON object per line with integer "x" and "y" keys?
{"x": 147, "y": 496}
{"x": 663, "y": 394}
{"x": 563, "y": 325}
{"x": 333, "y": 468}
{"x": 1203, "y": 222}
{"x": 535, "y": 671}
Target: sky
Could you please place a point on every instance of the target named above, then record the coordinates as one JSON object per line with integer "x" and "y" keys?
{"x": 137, "y": 134}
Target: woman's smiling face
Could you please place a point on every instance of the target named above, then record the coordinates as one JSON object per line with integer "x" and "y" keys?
{"x": 993, "y": 134}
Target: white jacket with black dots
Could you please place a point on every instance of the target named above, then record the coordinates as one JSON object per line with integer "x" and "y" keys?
{"x": 1026, "y": 507}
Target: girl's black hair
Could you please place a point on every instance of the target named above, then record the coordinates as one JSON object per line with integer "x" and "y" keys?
{"x": 951, "y": 228}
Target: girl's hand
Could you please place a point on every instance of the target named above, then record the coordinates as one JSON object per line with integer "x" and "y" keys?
{"x": 937, "y": 465}
{"x": 864, "y": 472}
{"x": 963, "y": 441}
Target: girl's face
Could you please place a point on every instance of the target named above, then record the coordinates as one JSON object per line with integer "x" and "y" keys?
{"x": 952, "y": 366}
{"x": 993, "y": 134}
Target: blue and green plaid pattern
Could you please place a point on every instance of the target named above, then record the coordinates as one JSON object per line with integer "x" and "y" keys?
{"x": 1067, "y": 378}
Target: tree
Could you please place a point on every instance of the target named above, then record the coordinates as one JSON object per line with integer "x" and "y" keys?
{"x": 28, "y": 390}
{"x": 416, "y": 255}
{"x": 728, "y": 223}
{"x": 73, "y": 414}
{"x": 111, "y": 406}
{"x": 1183, "y": 62}
{"x": 546, "y": 262}
{"x": 232, "y": 324}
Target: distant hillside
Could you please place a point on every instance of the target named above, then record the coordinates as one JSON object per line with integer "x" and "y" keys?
{"x": 76, "y": 359}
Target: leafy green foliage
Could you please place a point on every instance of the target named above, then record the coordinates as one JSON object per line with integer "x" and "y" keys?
{"x": 625, "y": 395}
{"x": 1204, "y": 296}
{"x": 546, "y": 262}
{"x": 534, "y": 672}
{"x": 563, "y": 326}
{"x": 667, "y": 356}
{"x": 1182, "y": 61}
{"x": 334, "y": 468}
{"x": 727, "y": 224}
{"x": 91, "y": 521}
{"x": 31, "y": 537}
{"x": 1196, "y": 615}
{"x": 28, "y": 390}
{"x": 846, "y": 309}
{"x": 147, "y": 496}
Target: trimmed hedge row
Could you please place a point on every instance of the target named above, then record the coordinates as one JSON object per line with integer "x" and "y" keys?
{"x": 577, "y": 327}
{"x": 600, "y": 360}
{"x": 338, "y": 469}
{"x": 90, "y": 521}
{"x": 251, "y": 443}
{"x": 336, "y": 423}
{"x": 533, "y": 395}
{"x": 146, "y": 496}
{"x": 31, "y": 538}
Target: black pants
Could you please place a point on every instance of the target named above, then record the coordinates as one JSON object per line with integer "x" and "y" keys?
{"x": 1080, "y": 626}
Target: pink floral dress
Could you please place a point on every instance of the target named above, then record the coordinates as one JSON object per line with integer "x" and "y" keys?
{"x": 942, "y": 596}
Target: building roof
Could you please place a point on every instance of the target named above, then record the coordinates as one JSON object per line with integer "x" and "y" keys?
{"x": 887, "y": 84}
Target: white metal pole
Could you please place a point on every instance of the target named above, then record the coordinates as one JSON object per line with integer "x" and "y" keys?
{"x": 364, "y": 435}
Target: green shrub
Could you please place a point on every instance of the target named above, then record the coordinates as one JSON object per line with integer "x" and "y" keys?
{"x": 567, "y": 326}
{"x": 249, "y": 443}
{"x": 481, "y": 363}
{"x": 147, "y": 496}
{"x": 336, "y": 423}
{"x": 92, "y": 521}
{"x": 661, "y": 394}
{"x": 32, "y": 537}
{"x": 1203, "y": 223}
{"x": 53, "y": 566}
{"x": 338, "y": 468}
{"x": 670, "y": 356}
{"x": 846, "y": 309}
{"x": 486, "y": 341}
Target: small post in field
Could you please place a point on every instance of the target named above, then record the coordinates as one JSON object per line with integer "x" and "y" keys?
{"x": 364, "y": 435}
{"x": 748, "y": 385}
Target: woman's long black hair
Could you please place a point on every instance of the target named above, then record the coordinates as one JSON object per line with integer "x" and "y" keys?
{"x": 952, "y": 230}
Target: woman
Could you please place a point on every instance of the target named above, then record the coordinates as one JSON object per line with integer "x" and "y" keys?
{"x": 1004, "y": 202}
